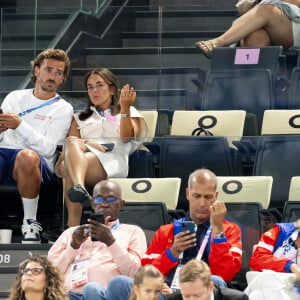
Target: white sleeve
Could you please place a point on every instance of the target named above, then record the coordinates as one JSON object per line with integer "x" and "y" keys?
{"x": 56, "y": 133}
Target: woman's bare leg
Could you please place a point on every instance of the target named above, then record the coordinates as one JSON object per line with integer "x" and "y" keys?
{"x": 267, "y": 17}
{"x": 81, "y": 167}
{"x": 258, "y": 38}
{"x": 74, "y": 209}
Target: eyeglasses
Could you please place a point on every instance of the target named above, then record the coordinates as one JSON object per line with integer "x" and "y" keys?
{"x": 109, "y": 200}
{"x": 34, "y": 271}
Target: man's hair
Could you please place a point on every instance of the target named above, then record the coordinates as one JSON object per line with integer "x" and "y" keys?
{"x": 56, "y": 54}
{"x": 193, "y": 270}
{"x": 195, "y": 177}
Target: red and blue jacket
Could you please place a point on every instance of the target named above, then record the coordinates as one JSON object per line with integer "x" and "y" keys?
{"x": 224, "y": 255}
{"x": 269, "y": 242}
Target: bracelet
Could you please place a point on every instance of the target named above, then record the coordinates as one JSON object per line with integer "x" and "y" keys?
{"x": 125, "y": 115}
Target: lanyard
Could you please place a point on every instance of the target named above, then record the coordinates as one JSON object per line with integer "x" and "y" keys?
{"x": 27, "y": 111}
{"x": 203, "y": 244}
{"x": 98, "y": 245}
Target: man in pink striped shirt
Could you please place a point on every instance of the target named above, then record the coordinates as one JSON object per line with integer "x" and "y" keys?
{"x": 92, "y": 254}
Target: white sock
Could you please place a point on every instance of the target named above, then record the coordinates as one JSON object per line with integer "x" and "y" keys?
{"x": 30, "y": 208}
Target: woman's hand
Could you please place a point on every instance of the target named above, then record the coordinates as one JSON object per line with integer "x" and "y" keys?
{"x": 127, "y": 97}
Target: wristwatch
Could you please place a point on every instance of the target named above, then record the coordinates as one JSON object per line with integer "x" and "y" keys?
{"x": 125, "y": 115}
{"x": 220, "y": 235}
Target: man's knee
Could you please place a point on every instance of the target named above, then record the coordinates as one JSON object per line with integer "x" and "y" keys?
{"x": 27, "y": 160}
{"x": 94, "y": 290}
{"x": 119, "y": 287}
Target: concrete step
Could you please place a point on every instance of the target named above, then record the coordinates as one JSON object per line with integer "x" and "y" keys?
{"x": 16, "y": 41}
{"x": 185, "y": 20}
{"x": 18, "y": 58}
{"x": 205, "y": 3}
{"x": 45, "y": 22}
{"x": 168, "y": 38}
{"x": 11, "y": 78}
{"x": 145, "y": 57}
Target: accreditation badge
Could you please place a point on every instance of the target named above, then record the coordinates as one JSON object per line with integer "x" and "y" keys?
{"x": 79, "y": 273}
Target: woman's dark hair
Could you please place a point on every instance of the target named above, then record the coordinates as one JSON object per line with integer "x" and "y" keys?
{"x": 111, "y": 80}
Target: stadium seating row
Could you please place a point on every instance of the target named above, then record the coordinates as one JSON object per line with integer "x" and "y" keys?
{"x": 229, "y": 123}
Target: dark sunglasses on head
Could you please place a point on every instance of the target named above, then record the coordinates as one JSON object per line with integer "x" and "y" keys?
{"x": 109, "y": 200}
{"x": 34, "y": 271}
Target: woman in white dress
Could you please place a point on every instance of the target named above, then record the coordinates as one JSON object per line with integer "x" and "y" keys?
{"x": 269, "y": 22}
{"x": 110, "y": 119}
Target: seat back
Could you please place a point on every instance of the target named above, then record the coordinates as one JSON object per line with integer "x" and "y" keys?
{"x": 247, "y": 216}
{"x": 150, "y": 117}
{"x": 291, "y": 211}
{"x": 180, "y": 156}
{"x": 147, "y": 215}
{"x": 294, "y": 192}
{"x": 220, "y": 123}
{"x": 249, "y": 90}
{"x": 226, "y": 58}
{"x": 283, "y": 121}
{"x": 164, "y": 190}
{"x": 294, "y": 101}
{"x": 278, "y": 156}
{"x": 245, "y": 189}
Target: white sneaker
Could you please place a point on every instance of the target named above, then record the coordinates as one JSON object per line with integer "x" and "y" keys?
{"x": 30, "y": 232}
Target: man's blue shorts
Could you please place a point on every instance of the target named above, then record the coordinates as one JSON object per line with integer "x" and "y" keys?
{"x": 7, "y": 162}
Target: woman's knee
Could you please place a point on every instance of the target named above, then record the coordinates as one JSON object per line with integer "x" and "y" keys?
{"x": 267, "y": 11}
{"x": 258, "y": 38}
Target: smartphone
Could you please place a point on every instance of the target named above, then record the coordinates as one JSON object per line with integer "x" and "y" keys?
{"x": 184, "y": 226}
{"x": 99, "y": 218}
{"x": 109, "y": 146}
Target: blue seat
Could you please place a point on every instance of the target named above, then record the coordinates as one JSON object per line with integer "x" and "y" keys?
{"x": 249, "y": 90}
{"x": 147, "y": 215}
{"x": 294, "y": 99}
{"x": 181, "y": 155}
{"x": 291, "y": 211}
{"x": 223, "y": 58}
{"x": 278, "y": 156}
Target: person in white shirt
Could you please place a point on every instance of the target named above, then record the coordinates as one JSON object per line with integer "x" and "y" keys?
{"x": 32, "y": 123}
{"x": 100, "y": 140}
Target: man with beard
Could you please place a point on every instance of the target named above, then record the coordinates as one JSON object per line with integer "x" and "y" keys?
{"x": 215, "y": 241}
{"x": 32, "y": 123}
{"x": 91, "y": 256}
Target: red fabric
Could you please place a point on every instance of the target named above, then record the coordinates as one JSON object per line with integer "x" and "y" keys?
{"x": 263, "y": 258}
{"x": 223, "y": 262}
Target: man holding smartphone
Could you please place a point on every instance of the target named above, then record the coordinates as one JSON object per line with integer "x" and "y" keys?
{"x": 32, "y": 123}
{"x": 215, "y": 241}
{"x": 90, "y": 256}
